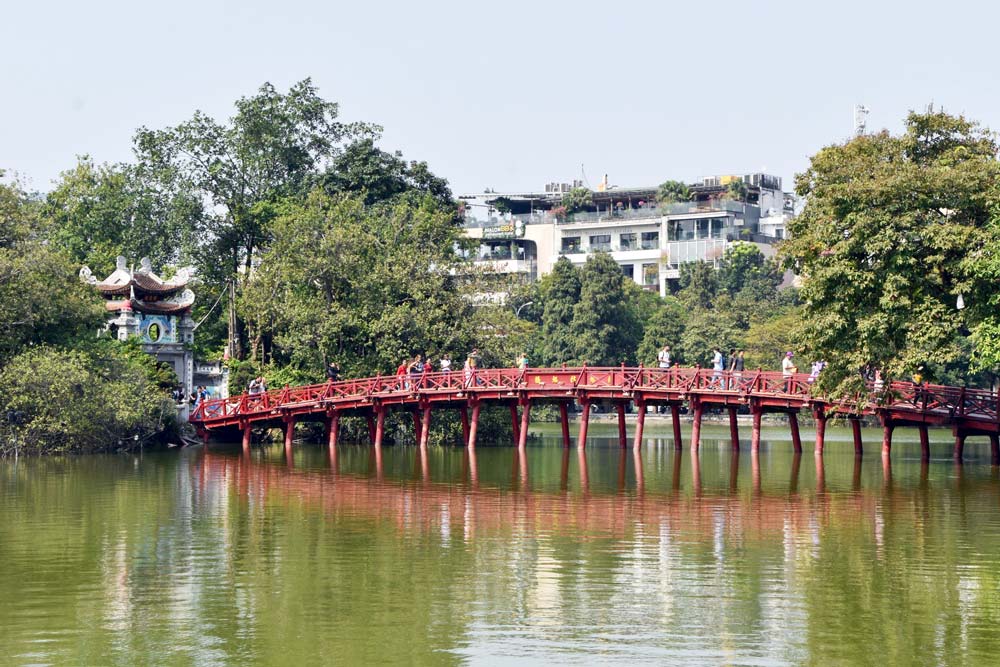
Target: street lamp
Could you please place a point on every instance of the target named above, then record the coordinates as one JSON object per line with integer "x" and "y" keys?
{"x": 517, "y": 313}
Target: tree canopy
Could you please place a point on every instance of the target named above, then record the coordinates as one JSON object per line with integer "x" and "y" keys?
{"x": 894, "y": 229}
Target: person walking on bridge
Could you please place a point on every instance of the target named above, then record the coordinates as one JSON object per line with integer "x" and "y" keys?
{"x": 788, "y": 369}
{"x": 738, "y": 365}
{"x": 663, "y": 357}
{"x": 718, "y": 367}
{"x": 333, "y": 371}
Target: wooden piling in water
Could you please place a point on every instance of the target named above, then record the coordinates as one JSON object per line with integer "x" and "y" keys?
{"x": 734, "y": 429}
{"x": 640, "y": 423}
{"x": 581, "y": 440}
{"x": 675, "y": 417}
{"x": 793, "y": 424}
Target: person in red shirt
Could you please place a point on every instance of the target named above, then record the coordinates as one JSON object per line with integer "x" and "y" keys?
{"x": 401, "y": 375}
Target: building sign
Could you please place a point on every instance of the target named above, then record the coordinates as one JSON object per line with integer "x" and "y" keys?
{"x": 508, "y": 230}
{"x": 158, "y": 329}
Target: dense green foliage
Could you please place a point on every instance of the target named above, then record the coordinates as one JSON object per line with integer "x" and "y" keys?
{"x": 592, "y": 314}
{"x": 895, "y": 228}
{"x": 367, "y": 286}
{"x": 673, "y": 191}
{"x": 80, "y": 400}
{"x": 52, "y": 397}
{"x": 577, "y": 199}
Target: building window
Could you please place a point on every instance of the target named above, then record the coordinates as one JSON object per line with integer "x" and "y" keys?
{"x": 570, "y": 244}
{"x": 628, "y": 270}
{"x": 717, "y": 226}
{"x": 627, "y": 242}
{"x": 600, "y": 242}
{"x": 650, "y": 240}
{"x": 651, "y": 274}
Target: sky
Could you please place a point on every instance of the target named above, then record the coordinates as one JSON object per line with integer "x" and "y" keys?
{"x": 508, "y": 95}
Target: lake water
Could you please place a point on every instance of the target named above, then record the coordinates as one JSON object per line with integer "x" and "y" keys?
{"x": 212, "y": 558}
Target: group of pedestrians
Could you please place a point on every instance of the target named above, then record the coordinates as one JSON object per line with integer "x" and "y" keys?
{"x": 734, "y": 363}
{"x": 727, "y": 370}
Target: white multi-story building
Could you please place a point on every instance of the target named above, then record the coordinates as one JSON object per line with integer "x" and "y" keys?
{"x": 650, "y": 242}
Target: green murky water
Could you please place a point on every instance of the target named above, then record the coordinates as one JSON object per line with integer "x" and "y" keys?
{"x": 210, "y": 558}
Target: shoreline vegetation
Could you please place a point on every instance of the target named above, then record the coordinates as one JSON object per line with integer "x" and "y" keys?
{"x": 324, "y": 248}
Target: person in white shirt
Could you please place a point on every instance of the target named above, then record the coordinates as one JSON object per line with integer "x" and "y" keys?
{"x": 663, "y": 357}
{"x": 788, "y": 369}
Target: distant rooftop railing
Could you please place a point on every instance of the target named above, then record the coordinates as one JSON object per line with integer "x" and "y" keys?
{"x": 677, "y": 208}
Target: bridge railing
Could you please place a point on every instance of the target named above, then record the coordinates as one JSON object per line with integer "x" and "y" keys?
{"x": 977, "y": 404}
{"x": 509, "y": 379}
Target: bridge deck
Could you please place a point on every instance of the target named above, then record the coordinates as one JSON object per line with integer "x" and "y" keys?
{"x": 967, "y": 411}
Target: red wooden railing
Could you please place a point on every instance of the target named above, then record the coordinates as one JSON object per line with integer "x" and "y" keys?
{"x": 901, "y": 398}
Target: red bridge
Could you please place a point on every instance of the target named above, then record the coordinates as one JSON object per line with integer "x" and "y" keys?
{"x": 966, "y": 411}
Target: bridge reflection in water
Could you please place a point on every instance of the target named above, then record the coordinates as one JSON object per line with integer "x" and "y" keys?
{"x": 680, "y": 498}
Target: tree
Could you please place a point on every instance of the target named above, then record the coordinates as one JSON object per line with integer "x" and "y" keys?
{"x": 737, "y": 190}
{"x": 664, "y": 327}
{"x": 605, "y": 329}
{"x": 561, "y": 292}
{"x": 41, "y": 298}
{"x": 367, "y": 286}
{"x": 577, "y": 199}
{"x": 767, "y": 340}
{"x": 271, "y": 149}
{"x": 102, "y": 211}
{"x": 705, "y": 330}
{"x": 375, "y": 175}
{"x": 670, "y": 192}
{"x": 80, "y": 401}
{"x": 894, "y": 229}
{"x": 744, "y": 264}
{"x": 699, "y": 283}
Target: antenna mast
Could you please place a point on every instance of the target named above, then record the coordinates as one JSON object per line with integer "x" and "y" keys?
{"x": 860, "y": 119}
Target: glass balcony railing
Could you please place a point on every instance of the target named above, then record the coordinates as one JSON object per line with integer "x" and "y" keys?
{"x": 649, "y": 212}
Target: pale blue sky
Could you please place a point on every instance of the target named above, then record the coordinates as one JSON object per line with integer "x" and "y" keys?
{"x": 507, "y": 95}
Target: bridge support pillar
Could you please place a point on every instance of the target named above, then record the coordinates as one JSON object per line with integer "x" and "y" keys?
{"x": 994, "y": 449}
{"x": 959, "y": 446}
{"x": 514, "y": 425}
{"x": 247, "y": 438}
{"x": 622, "y": 436}
{"x": 696, "y": 426}
{"x": 581, "y": 440}
{"x": 473, "y": 426}
{"x": 464, "y": 415}
{"x": 371, "y": 428}
{"x": 734, "y": 429}
{"x": 640, "y": 423}
{"x": 289, "y": 434}
{"x": 333, "y": 430}
{"x": 820, "y": 432}
{"x": 925, "y": 443}
{"x": 522, "y": 434}
{"x": 379, "y": 426}
{"x": 887, "y": 428}
{"x": 755, "y": 429}
{"x": 793, "y": 425}
{"x": 675, "y": 417}
{"x": 859, "y": 447}
{"x": 425, "y": 426}
{"x": 564, "y": 422}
